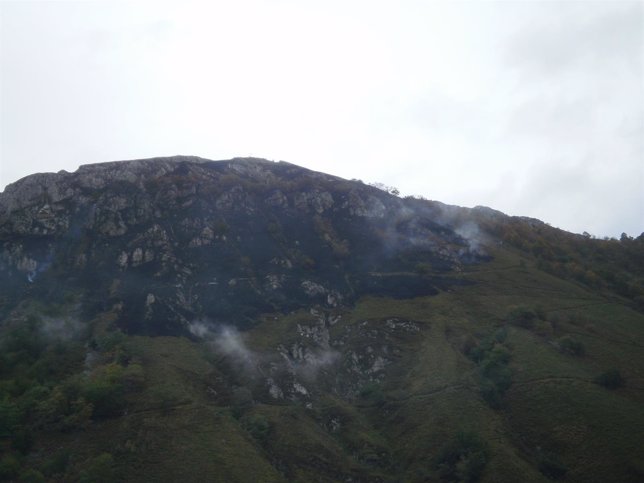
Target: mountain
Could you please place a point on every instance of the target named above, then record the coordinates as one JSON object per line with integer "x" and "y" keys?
{"x": 181, "y": 318}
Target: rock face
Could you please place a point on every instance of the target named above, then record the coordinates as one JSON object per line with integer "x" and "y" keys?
{"x": 167, "y": 240}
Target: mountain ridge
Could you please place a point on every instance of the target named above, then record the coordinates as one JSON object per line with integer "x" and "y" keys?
{"x": 171, "y": 319}
{"x": 45, "y": 178}
{"x": 132, "y": 200}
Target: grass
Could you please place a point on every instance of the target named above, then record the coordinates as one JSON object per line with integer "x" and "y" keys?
{"x": 185, "y": 424}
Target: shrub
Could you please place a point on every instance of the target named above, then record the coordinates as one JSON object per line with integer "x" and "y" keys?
{"x": 543, "y": 328}
{"x": 490, "y": 394}
{"x": 53, "y": 408}
{"x": 220, "y": 228}
{"x": 494, "y": 360}
{"x": 109, "y": 341}
{"x": 481, "y": 350}
{"x": 22, "y": 440}
{"x": 273, "y": 228}
{"x": 372, "y": 393}
{"x": 23, "y": 344}
{"x": 501, "y": 334}
{"x": 80, "y": 416}
{"x": 57, "y": 464}
{"x": 571, "y": 346}
{"x": 258, "y": 426}
{"x": 340, "y": 248}
{"x": 307, "y": 263}
{"x": 9, "y": 467}
{"x": 241, "y": 401}
{"x": 105, "y": 395}
{"x": 495, "y": 377}
{"x": 32, "y": 476}
{"x": 467, "y": 344}
{"x": 463, "y": 458}
{"x": 53, "y": 310}
{"x": 611, "y": 379}
{"x": 166, "y": 397}
{"x": 133, "y": 377}
{"x": 540, "y": 312}
{"x": 423, "y": 268}
{"x": 522, "y": 317}
{"x": 549, "y": 465}
{"x": 9, "y": 418}
{"x": 99, "y": 470}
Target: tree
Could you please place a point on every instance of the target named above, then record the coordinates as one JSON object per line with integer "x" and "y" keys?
{"x": 611, "y": 379}
{"x": 99, "y": 470}
{"x": 463, "y": 458}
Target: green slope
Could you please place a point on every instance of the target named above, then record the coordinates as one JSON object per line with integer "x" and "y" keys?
{"x": 464, "y": 392}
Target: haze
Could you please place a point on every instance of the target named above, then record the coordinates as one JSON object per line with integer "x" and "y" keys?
{"x": 532, "y": 108}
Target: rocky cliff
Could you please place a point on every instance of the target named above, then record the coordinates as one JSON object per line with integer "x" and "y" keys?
{"x": 166, "y": 241}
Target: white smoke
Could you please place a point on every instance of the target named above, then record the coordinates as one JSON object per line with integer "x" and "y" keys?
{"x": 315, "y": 361}
{"x": 60, "y": 328}
{"x": 230, "y": 342}
{"x": 33, "y": 274}
{"x": 471, "y": 233}
{"x": 224, "y": 340}
{"x": 200, "y": 329}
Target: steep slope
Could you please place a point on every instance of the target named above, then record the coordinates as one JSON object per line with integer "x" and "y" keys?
{"x": 173, "y": 239}
{"x": 180, "y": 318}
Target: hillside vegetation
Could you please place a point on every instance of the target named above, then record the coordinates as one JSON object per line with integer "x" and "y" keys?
{"x": 311, "y": 329}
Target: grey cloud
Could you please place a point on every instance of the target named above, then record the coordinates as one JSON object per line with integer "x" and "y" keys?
{"x": 490, "y": 95}
{"x": 584, "y": 31}
{"x": 438, "y": 111}
{"x": 576, "y": 196}
{"x": 556, "y": 119}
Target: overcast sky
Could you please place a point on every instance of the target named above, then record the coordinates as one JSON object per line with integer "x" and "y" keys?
{"x": 532, "y": 108}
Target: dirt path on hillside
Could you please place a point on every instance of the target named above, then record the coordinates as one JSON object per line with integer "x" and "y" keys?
{"x": 526, "y": 382}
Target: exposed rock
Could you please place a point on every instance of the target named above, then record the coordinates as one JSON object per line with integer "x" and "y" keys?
{"x": 282, "y": 262}
{"x": 406, "y": 325}
{"x": 274, "y": 390}
{"x": 333, "y": 299}
{"x": 318, "y": 333}
{"x": 137, "y": 257}
{"x": 26, "y": 264}
{"x": 312, "y": 289}
{"x": 81, "y": 260}
{"x": 299, "y": 388}
{"x": 277, "y": 199}
{"x": 273, "y": 282}
{"x": 111, "y": 224}
{"x": 318, "y": 201}
{"x": 149, "y": 301}
{"x": 371, "y": 207}
{"x": 233, "y": 198}
{"x": 275, "y": 235}
{"x": 123, "y": 259}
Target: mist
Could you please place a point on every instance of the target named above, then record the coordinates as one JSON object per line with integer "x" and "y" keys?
{"x": 227, "y": 341}
{"x": 471, "y": 233}
{"x": 61, "y": 328}
{"x": 299, "y": 360}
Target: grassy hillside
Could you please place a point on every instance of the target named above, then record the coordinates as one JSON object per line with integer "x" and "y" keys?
{"x": 517, "y": 375}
